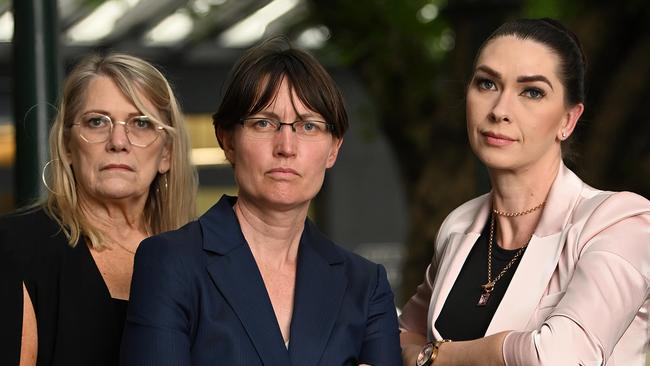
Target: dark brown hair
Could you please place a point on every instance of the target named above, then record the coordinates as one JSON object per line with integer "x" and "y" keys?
{"x": 255, "y": 79}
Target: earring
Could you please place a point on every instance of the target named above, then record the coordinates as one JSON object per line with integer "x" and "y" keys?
{"x": 563, "y": 134}
{"x": 43, "y": 175}
{"x": 162, "y": 180}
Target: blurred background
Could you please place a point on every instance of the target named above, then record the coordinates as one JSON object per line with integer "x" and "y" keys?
{"x": 402, "y": 65}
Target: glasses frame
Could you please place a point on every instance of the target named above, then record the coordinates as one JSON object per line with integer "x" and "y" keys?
{"x": 157, "y": 128}
{"x": 329, "y": 127}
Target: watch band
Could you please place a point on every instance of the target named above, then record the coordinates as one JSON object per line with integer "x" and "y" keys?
{"x": 429, "y": 353}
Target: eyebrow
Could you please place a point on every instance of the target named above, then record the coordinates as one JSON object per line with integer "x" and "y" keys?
{"x": 301, "y": 117}
{"x": 109, "y": 114}
{"x": 520, "y": 79}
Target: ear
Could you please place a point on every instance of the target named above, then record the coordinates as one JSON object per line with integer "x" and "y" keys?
{"x": 165, "y": 161}
{"x": 225, "y": 139}
{"x": 570, "y": 121}
{"x": 334, "y": 152}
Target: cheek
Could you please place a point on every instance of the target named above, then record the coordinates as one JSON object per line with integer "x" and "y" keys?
{"x": 81, "y": 160}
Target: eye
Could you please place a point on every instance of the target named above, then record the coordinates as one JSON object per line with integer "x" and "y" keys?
{"x": 485, "y": 84}
{"x": 96, "y": 121}
{"x": 141, "y": 122}
{"x": 533, "y": 93}
{"x": 262, "y": 124}
{"x": 311, "y": 127}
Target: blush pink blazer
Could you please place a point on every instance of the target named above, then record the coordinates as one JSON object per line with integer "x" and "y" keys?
{"x": 580, "y": 295}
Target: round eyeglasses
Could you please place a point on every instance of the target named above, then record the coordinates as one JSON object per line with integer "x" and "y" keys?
{"x": 141, "y": 131}
{"x": 266, "y": 128}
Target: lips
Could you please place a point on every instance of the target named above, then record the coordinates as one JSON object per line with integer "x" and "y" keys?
{"x": 497, "y": 139}
{"x": 117, "y": 167}
{"x": 283, "y": 171}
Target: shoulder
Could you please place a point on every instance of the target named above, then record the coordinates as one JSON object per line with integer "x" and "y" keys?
{"x": 26, "y": 221}
{"x": 600, "y": 209}
{"x": 171, "y": 245}
{"x": 464, "y": 215}
{"x": 617, "y": 223}
{"x": 361, "y": 273}
{"x": 31, "y": 233}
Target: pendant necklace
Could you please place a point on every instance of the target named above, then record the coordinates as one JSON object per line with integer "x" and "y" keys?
{"x": 488, "y": 287}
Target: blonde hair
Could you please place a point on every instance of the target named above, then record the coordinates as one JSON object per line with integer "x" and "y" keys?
{"x": 171, "y": 200}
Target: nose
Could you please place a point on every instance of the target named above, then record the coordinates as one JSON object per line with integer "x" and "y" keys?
{"x": 118, "y": 139}
{"x": 501, "y": 110}
{"x": 285, "y": 142}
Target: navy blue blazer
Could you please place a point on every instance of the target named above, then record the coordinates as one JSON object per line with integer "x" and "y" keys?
{"x": 197, "y": 298}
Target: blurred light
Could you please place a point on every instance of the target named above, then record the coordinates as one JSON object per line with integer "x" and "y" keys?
{"x": 447, "y": 40}
{"x": 7, "y": 144}
{"x": 208, "y": 156}
{"x": 427, "y": 13}
{"x": 101, "y": 21}
{"x": 251, "y": 29}
{"x": 6, "y": 26}
{"x": 171, "y": 29}
{"x": 203, "y": 6}
{"x": 313, "y": 37}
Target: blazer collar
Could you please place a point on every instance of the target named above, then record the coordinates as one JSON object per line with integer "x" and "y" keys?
{"x": 319, "y": 289}
{"x": 537, "y": 264}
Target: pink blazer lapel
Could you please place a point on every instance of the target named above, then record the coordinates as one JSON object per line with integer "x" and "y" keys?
{"x": 529, "y": 283}
{"x": 459, "y": 245}
{"x": 541, "y": 258}
{"x": 452, "y": 259}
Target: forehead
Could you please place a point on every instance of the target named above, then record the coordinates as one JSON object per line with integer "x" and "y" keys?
{"x": 285, "y": 97}
{"x": 510, "y": 55}
{"x": 102, "y": 93}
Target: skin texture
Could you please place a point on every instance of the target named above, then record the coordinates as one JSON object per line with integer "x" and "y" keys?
{"x": 517, "y": 118}
{"x": 114, "y": 170}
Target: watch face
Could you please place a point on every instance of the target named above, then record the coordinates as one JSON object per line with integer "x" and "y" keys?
{"x": 424, "y": 357}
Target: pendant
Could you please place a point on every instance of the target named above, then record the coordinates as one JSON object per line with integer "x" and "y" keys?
{"x": 485, "y": 296}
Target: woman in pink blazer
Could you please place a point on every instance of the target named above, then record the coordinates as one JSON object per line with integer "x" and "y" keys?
{"x": 544, "y": 269}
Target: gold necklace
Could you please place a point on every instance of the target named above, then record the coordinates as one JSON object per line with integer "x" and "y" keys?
{"x": 489, "y": 285}
{"x": 124, "y": 248}
{"x": 514, "y": 214}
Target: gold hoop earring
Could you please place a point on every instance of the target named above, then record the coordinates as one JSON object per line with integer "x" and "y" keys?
{"x": 43, "y": 175}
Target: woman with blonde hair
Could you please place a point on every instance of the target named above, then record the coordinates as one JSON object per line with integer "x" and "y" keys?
{"x": 120, "y": 172}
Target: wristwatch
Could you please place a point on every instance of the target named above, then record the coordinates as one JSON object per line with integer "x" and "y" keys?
{"x": 429, "y": 352}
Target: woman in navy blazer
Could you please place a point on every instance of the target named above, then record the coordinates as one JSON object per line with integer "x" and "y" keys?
{"x": 253, "y": 281}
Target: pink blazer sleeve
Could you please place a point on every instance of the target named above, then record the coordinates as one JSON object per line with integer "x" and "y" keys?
{"x": 610, "y": 284}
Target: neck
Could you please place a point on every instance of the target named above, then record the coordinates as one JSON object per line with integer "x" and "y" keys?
{"x": 518, "y": 191}
{"x": 521, "y": 190}
{"x": 118, "y": 219}
{"x": 272, "y": 235}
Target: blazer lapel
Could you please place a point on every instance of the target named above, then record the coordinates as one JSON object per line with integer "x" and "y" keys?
{"x": 528, "y": 284}
{"x": 320, "y": 286}
{"x": 235, "y": 274}
{"x": 460, "y": 245}
{"x": 538, "y": 263}
{"x": 453, "y": 257}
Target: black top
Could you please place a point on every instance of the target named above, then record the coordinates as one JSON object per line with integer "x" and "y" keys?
{"x": 78, "y": 321}
{"x": 461, "y": 319}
